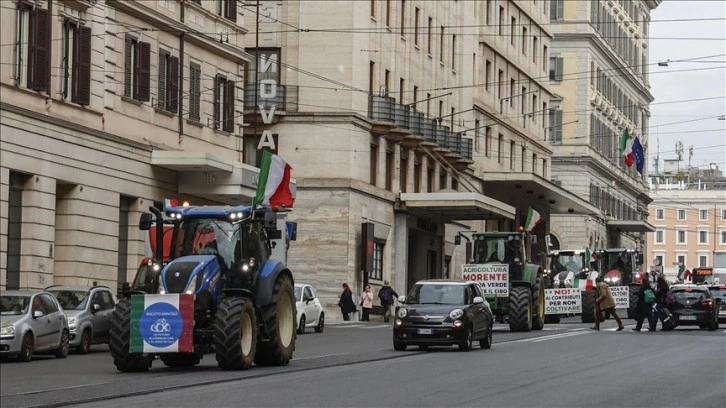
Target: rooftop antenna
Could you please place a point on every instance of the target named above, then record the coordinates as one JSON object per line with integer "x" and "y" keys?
{"x": 679, "y": 153}
{"x": 690, "y": 156}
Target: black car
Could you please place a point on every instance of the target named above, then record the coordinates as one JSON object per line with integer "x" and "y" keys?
{"x": 693, "y": 305}
{"x": 442, "y": 312}
{"x": 719, "y": 292}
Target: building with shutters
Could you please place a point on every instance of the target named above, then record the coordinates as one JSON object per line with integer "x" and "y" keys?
{"x": 94, "y": 96}
{"x": 598, "y": 69}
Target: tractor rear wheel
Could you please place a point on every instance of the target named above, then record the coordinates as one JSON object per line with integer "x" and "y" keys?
{"x": 520, "y": 309}
{"x": 538, "y": 316}
{"x": 180, "y": 359}
{"x": 279, "y": 317}
{"x": 588, "y": 306}
{"x": 235, "y": 334}
{"x": 121, "y": 340}
{"x": 632, "y": 302}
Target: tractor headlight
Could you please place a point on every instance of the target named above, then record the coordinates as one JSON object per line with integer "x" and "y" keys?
{"x": 161, "y": 290}
{"x": 192, "y": 287}
{"x": 456, "y": 313}
{"x": 568, "y": 281}
{"x": 402, "y": 312}
{"x": 7, "y": 330}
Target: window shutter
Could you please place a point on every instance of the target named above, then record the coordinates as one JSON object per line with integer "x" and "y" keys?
{"x": 229, "y": 106}
{"x": 144, "y": 65}
{"x": 231, "y": 10}
{"x": 161, "y": 93}
{"x": 194, "y": 79}
{"x": 174, "y": 85}
{"x": 558, "y": 124}
{"x": 217, "y": 118}
{"x": 127, "y": 67}
{"x": 83, "y": 95}
{"x": 558, "y": 68}
{"x": 39, "y": 59}
{"x": 560, "y": 9}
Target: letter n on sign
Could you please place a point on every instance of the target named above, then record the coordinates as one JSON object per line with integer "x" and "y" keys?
{"x": 366, "y": 259}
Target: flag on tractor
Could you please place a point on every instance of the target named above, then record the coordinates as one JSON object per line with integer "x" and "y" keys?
{"x": 583, "y": 284}
{"x": 683, "y": 273}
{"x": 638, "y": 155}
{"x": 162, "y": 323}
{"x": 626, "y": 148}
{"x": 273, "y": 186}
{"x": 533, "y": 219}
{"x": 170, "y": 202}
{"x": 589, "y": 256}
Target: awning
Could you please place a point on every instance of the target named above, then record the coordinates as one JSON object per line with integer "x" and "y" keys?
{"x": 190, "y": 161}
{"x": 525, "y": 189}
{"x": 452, "y": 206}
{"x": 630, "y": 226}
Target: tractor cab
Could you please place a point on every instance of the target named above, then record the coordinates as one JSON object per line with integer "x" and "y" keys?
{"x": 567, "y": 265}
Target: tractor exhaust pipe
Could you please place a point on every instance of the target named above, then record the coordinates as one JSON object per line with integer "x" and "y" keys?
{"x": 159, "y": 250}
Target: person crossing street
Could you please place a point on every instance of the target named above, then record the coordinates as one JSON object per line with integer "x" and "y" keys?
{"x": 605, "y": 303}
{"x": 387, "y": 296}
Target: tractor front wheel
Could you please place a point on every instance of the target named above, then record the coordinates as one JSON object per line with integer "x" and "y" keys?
{"x": 538, "y": 316}
{"x": 121, "y": 339}
{"x": 588, "y": 306}
{"x": 280, "y": 319}
{"x": 235, "y": 334}
{"x": 520, "y": 309}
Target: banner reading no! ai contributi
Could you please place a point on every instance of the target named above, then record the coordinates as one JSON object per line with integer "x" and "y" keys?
{"x": 162, "y": 323}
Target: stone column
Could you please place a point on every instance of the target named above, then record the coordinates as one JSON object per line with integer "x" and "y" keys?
{"x": 38, "y": 233}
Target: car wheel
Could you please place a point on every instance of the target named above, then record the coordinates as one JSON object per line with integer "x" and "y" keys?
{"x": 399, "y": 345}
{"x": 301, "y": 326}
{"x": 468, "y": 343}
{"x": 26, "y": 349}
{"x": 321, "y": 323}
{"x": 63, "y": 348}
{"x": 85, "y": 346}
{"x": 486, "y": 342}
{"x": 713, "y": 326}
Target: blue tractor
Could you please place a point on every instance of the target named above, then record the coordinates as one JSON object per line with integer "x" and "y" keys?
{"x": 244, "y": 301}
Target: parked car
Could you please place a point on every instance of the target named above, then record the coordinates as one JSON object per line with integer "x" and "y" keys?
{"x": 309, "y": 310}
{"x": 32, "y": 322}
{"x": 89, "y": 310}
{"x": 719, "y": 292}
{"x": 693, "y": 305}
{"x": 443, "y": 312}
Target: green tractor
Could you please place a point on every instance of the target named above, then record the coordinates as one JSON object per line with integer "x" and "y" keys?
{"x": 521, "y": 303}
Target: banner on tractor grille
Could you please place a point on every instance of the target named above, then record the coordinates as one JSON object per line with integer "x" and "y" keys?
{"x": 621, "y": 294}
{"x": 562, "y": 301}
{"x": 493, "y": 278}
{"x": 162, "y": 323}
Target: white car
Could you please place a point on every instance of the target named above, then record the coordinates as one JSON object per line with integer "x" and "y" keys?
{"x": 309, "y": 310}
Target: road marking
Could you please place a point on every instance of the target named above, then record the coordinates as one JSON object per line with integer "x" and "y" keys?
{"x": 323, "y": 356}
{"x": 339, "y": 326}
{"x": 557, "y": 336}
{"x": 58, "y": 389}
{"x": 379, "y": 326}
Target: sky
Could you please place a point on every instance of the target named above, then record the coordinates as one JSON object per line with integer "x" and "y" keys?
{"x": 703, "y": 42}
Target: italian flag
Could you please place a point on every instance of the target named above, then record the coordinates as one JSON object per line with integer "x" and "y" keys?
{"x": 162, "y": 323}
{"x": 589, "y": 256}
{"x": 170, "y": 202}
{"x": 582, "y": 284}
{"x": 533, "y": 219}
{"x": 273, "y": 186}
{"x": 626, "y": 148}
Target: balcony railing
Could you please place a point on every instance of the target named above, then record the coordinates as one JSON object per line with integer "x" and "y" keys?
{"x": 285, "y": 99}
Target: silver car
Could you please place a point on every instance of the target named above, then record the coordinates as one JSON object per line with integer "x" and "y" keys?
{"x": 32, "y": 322}
{"x": 89, "y": 310}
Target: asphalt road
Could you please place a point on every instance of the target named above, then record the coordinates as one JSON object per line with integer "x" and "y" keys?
{"x": 354, "y": 365}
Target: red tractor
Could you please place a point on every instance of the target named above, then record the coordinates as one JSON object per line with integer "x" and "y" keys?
{"x": 147, "y": 275}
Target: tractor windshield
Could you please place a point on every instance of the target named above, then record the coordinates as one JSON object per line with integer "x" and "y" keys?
{"x": 207, "y": 237}
{"x": 567, "y": 262}
{"x": 621, "y": 261}
{"x": 497, "y": 249}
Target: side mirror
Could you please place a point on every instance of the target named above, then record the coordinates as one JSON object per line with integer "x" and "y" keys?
{"x": 146, "y": 221}
{"x": 457, "y": 239}
{"x": 478, "y": 300}
{"x": 639, "y": 258}
{"x": 402, "y": 299}
{"x": 37, "y": 314}
{"x": 125, "y": 287}
{"x": 96, "y": 307}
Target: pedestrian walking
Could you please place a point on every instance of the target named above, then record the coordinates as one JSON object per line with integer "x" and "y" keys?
{"x": 346, "y": 302}
{"x": 661, "y": 305}
{"x": 644, "y": 309}
{"x": 387, "y": 296}
{"x": 366, "y": 302}
{"x": 605, "y": 303}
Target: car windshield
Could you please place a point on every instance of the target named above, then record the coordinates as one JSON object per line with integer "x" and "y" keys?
{"x": 693, "y": 296}
{"x": 14, "y": 305}
{"x": 71, "y": 299}
{"x": 617, "y": 260}
{"x": 499, "y": 248}
{"x": 567, "y": 262}
{"x": 298, "y": 293}
{"x": 718, "y": 293}
{"x": 207, "y": 237}
{"x": 437, "y": 294}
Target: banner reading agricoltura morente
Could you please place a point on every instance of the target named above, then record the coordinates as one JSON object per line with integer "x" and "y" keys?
{"x": 162, "y": 323}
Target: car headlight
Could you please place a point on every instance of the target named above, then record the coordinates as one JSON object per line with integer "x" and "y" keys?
{"x": 7, "y": 330}
{"x": 456, "y": 313}
{"x": 402, "y": 312}
{"x": 72, "y": 320}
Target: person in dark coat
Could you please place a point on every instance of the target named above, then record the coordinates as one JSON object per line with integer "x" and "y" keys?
{"x": 346, "y": 302}
{"x": 644, "y": 310}
{"x": 661, "y": 293}
{"x": 387, "y": 296}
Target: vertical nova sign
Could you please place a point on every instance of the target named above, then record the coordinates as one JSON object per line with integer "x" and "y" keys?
{"x": 267, "y": 92}
{"x": 162, "y": 323}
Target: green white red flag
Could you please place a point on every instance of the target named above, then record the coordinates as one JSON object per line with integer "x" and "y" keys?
{"x": 162, "y": 323}
{"x": 626, "y": 148}
{"x": 273, "y": 186}
{"x": 533, "y": 219}
{"x": 170, "y": 202}
{"x": 583, "y": 284}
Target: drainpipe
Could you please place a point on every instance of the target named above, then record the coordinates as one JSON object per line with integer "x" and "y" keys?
{"x": 180, "y": 94}
{"x": 50, "y": 48}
